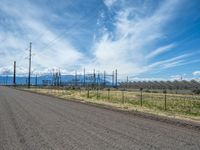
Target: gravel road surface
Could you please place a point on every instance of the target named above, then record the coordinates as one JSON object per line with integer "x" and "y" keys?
{"x": 32, "y": 122}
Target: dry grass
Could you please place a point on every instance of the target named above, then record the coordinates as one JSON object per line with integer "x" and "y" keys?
{"x": 186, "y": 106}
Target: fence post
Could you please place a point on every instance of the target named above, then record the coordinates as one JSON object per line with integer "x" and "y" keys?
{"x": 165, "y": 93}
{"x": 80, "y": 91}
{"x": 97, "y": 93}
{"x": 108, "y": 93}
{"x": 123, "y": 96}
{"x": 88, "y": 93}
{"x": 141, "y": 89}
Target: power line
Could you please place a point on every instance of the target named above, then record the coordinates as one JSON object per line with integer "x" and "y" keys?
{"x": 50, "y": 44}
{"x": 61, "y": 35}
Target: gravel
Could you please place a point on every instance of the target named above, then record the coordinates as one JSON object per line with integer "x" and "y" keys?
{"x": 31, "y": 121}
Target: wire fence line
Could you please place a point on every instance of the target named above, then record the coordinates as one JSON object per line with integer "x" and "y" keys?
{"x": 173, "y": 103}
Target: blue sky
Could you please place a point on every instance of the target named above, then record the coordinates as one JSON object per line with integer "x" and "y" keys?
{"x": 144, "y": 39}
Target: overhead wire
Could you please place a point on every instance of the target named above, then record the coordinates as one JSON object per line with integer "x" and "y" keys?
{"x": 61, "y": 35}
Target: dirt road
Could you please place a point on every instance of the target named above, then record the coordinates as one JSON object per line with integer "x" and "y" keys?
{"x": 33, "y": 122}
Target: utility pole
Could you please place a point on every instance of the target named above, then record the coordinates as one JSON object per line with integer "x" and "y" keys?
{"x": 60, "y": 82}
{"x": 104, "y": 78}
{"x": 29, "y": 73}
{"x": 14, "y": 76}
{"x": 116, "y": 78}
{"x": 113, "y": 75}
{"x": 127, "y": 82}
{"x": 98, "y": 78}
{"x": 84, "y": 77}
{"x": 75, "y": 78}
{"x": 94, "y": 77}
{"x": 36, "y": 80}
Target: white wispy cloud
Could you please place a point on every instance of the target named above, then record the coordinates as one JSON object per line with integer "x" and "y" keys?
{"x": 160, "y": 50}
{"x": 60, "y": 53}
{"x": 168, "y": 62}
{"x": 196, "y": 73}
{"x": 109, "y": 3}
{"x": 176, "y": 77}
{"x": 127, "y": 48}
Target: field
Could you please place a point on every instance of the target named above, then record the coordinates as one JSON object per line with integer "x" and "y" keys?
{"x": 175, "y": 105}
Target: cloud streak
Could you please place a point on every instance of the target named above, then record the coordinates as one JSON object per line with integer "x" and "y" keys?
{"x": 159, "y": 51}
{"x": 127, "y": 47}
{"x": 59, "y": 54}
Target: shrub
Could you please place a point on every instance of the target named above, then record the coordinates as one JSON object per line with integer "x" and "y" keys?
{"x": 196, "y": 91}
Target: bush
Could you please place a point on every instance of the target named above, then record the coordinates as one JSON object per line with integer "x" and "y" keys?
{"x": 147, "y": 91}
{"x": 196, "y": 91}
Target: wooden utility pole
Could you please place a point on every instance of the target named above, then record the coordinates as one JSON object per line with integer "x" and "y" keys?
{"x": 104, "y": 78}
{"x": 84, "y": 77}
{"x": 94, "y": 78}
{"x": 116, "y": 77}
{"x": 113, "y": 76}
{"x": 127, "y": 82}
{"x": 14, "y": 76}
{"x": 29, "y": 73}
{"x": 75, "y": 78}
{"x": 36, "y": 81}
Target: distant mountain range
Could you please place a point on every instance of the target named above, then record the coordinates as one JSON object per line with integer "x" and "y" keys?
{"x": 8, "y": 80}
{"x": 47, "y": 79}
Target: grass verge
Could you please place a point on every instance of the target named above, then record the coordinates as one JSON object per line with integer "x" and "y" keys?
{"x": 185, "y": 107}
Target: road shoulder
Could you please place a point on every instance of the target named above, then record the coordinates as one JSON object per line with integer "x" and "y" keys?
{"x": 180, "y": 122}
